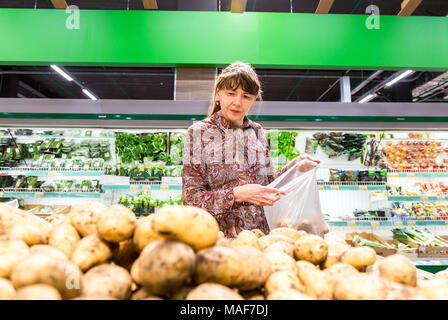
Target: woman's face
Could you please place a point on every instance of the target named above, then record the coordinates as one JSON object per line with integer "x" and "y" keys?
{"x": 235, "y": 104}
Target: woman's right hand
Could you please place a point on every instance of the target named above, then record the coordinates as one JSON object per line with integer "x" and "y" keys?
{"x": 257, "y": 194}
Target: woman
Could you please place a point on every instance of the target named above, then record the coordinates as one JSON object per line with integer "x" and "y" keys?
{"x": 227, "y": 163}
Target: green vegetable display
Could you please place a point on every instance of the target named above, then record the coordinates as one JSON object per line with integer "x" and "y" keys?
{"x": 138, "y": 147}
{"x": 418, "y": 237}
{"x": 143, "y": 204}
{"x": 283, "y": 143}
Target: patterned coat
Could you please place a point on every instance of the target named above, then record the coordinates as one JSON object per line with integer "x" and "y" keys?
{"x": 218, "y": 158}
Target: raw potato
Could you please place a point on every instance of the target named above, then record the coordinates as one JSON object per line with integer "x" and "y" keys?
{"x": 116, "y": 223}
{"x": 142, "y": 294}
{"x": 246, "y": 238}
{"x": 181, "y": 294}
{"x": 341, "y": 270}
{"x": 135, "y": 272}
{"x": 91, "y": 251}
{"x": 12, "y": 252}
{"x": 226, "y": 242}
{"x": 288, "y": 294}
{"x": 398, "y": 268}
{"x": 258, "y": 233}
{"x": 289, "y": 232}
{"x": 311, "y": 248}
{"x": 107, "y": 280}
{"x": 193, "y": 226}
{"x": 244, "y": 268}
{"x": 47, "y": 250}
{"x": 360, "y": 257}
{"x": 397, "y": 291}
{"x": 213, "y": 291}
{"x": 124, "y": 253}
{"x": 64, "y": 238}
{"x": 281, "y": 280}
{"x": 281, "y": 246}
{"x": 266, "y": 241}
{"x": 252, "y": 295}
{"x": 165, "y": 266}
{"x": 144, "y": 234}
{"x": 360, "y": 286}
{"x": 37, "y": 292}
{"x": 332, "y": 259}
{"x": 337, "y": 246}
{"x": 84, "y": 217}
{"x": 7, "y": 291}
{"x": 434, "y": 289}
{"x": 317, "y": 283}
{"x": 43, "y": 269}
{"x": 94, "y": 298}
{"x": 29, "y": 233}
{"x": 281, "y": 261}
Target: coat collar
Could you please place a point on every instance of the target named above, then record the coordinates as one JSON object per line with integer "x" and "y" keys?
{"x": 225, "y": 125}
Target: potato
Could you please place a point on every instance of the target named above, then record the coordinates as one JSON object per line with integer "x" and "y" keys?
{"x": 258, "y": 233}
{"x": 144, "y": 234}
{"x": 252, "y": 295}
{"x": 221, "y": 234}
{"x": 434, "y": 289}
{"x": 29, "y": 233}
{"x": 311, "y": 248}
{"x": 43, "y": 269}
{"x": 135, "y": 272}
{"x": 116, "y": 223}
{"x": 281, "y": 261}
{"x": 442, "y": 274}
{"x": 225, "y": 242}
{"x": 360, "y": 286}
{"x": 317, "y": 283}
{"x": 289, "y": 232}
{"x": 341, "y": 270}
{"x": 246, "y": 238}
{"x": 288, "y": 294}
{"x": 124, "y": 253}
{"x": 397, "y": 291}
{"x": 360, "y": 257}
{"x": 142, "y": 294}
{"x": 166, "y": 265}
{"x": 398, "y": 268}
{"x": 283, "y": 280}
{"x": 337, "y": 246}
{"x": 244, "y": 268}
{"x": 213, "y": 291}
{"x": 281, "y": 246}
{"x": 332, "y": 259}
{"x": 7, "y": 291}
{"x": 193, "y": 226}
{"x": 64, "y": 238}
{"x": 107, "y": 280}
{"x": 47, "y": 250}
{"x": 266, "y": 241}
{"x": 181, "y": 293}
{"x": 38, "y": 292}
{"x": 12, "y": 252}
{"x": 91, "y": 251}
{"x": 286, "y": 223}
{"x": 84, "y": 217}
{"x": 94, "y": 298}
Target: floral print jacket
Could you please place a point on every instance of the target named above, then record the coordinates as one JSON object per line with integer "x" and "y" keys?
{"x": 218, "y": 158}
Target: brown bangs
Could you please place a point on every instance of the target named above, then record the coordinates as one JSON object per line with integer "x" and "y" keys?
{"x": 235, "y": 80}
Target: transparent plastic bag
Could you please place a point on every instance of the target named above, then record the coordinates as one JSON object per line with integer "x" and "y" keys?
{"x": 300, "y": 208}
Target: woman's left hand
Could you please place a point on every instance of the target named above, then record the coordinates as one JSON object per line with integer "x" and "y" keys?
{"x": 304, "y": 163}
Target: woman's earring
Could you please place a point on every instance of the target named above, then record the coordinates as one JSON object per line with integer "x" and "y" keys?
{"x": 217, "y": 103}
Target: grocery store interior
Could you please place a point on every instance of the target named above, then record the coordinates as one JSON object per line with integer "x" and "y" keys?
{"x": 96, "y": 97}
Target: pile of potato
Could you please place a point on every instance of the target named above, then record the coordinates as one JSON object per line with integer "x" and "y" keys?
{"x": 99, "y": 252}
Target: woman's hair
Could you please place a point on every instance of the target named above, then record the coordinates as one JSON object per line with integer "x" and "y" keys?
{"x": 238, "y": 74}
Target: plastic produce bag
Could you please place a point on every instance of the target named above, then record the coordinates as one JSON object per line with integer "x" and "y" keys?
{"x": 300, "y": 208}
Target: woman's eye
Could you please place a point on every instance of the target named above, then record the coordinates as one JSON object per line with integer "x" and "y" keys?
{"x": 230, "y": 93}
{"x": 246, "y": 97}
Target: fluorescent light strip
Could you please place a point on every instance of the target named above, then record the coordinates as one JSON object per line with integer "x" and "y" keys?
{"x": 368, "y": 98}
{"x": 62, "y": 73}
{"x": 401, "y": 76}
{"x": 90, "y": 95}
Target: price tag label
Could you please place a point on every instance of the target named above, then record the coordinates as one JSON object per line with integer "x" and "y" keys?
{"x": 351, "y": 223}
{"x": 147, "y": 188}
{"x": 3, "y": 173}
{"x": 411, "y": 175}
{"x": 363, "y": 188}
{"x": 134, "y": 187}
{"x": 441, "y": 198}
{"x": 38, "y": 195}
{"x": 424, "y": 198}
{"x": 411, "y": 223}
{"x": 375, "y": 224}
{"x": 1, "y": 196}
{"x": 320, "y": 188}
{"x": 51, "y": 174}
{"x": 398, "y": 224}
{"x": 164, "y": 188}
{"x": 334, "y": 188}
{"x": 395, "y": 175}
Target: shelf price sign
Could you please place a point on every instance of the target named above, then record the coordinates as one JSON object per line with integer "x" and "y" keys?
{"x": 51, "y": 174}
{"x": 320, "y": 188}
{"x": 398, "y": 223}
{"x": 375, "y": 224}
{"x": 411, "y": 223}
{"x": 424, "y": 198}
{"x": 351, "y": 223}
{"x": 1, "y": 196}
{"x": 164, "y": 188}
{"x": 146, "y": 188}
{"x": 364, "y": 188}
{"x": 38, "y": 195}
{"x": 134, "y": 187}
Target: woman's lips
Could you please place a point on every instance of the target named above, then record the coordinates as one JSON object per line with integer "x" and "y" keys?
{"x": 235, "y": 112}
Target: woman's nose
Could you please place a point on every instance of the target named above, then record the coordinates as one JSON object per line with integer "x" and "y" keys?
{"x": 238, "y": 99}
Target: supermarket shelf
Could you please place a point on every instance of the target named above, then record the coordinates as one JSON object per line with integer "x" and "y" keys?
{"x": 390, "y": 223}
{"x": 349, "y": 187}
{"x": 39, "y": 172}
{"x": 418, "y": 198}
{"x": 7, "y": 194}
{"x": 417, "y": 174}
{"x": 58, "y": 137}
{"x": 142, "y": 187}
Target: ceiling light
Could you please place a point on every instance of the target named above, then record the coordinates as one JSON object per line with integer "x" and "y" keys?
{"x": 89, "y": 94}
{"x": 368, "y": 98}
{"x": 401, "y": 76}
{"x": 61, "y": 72}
